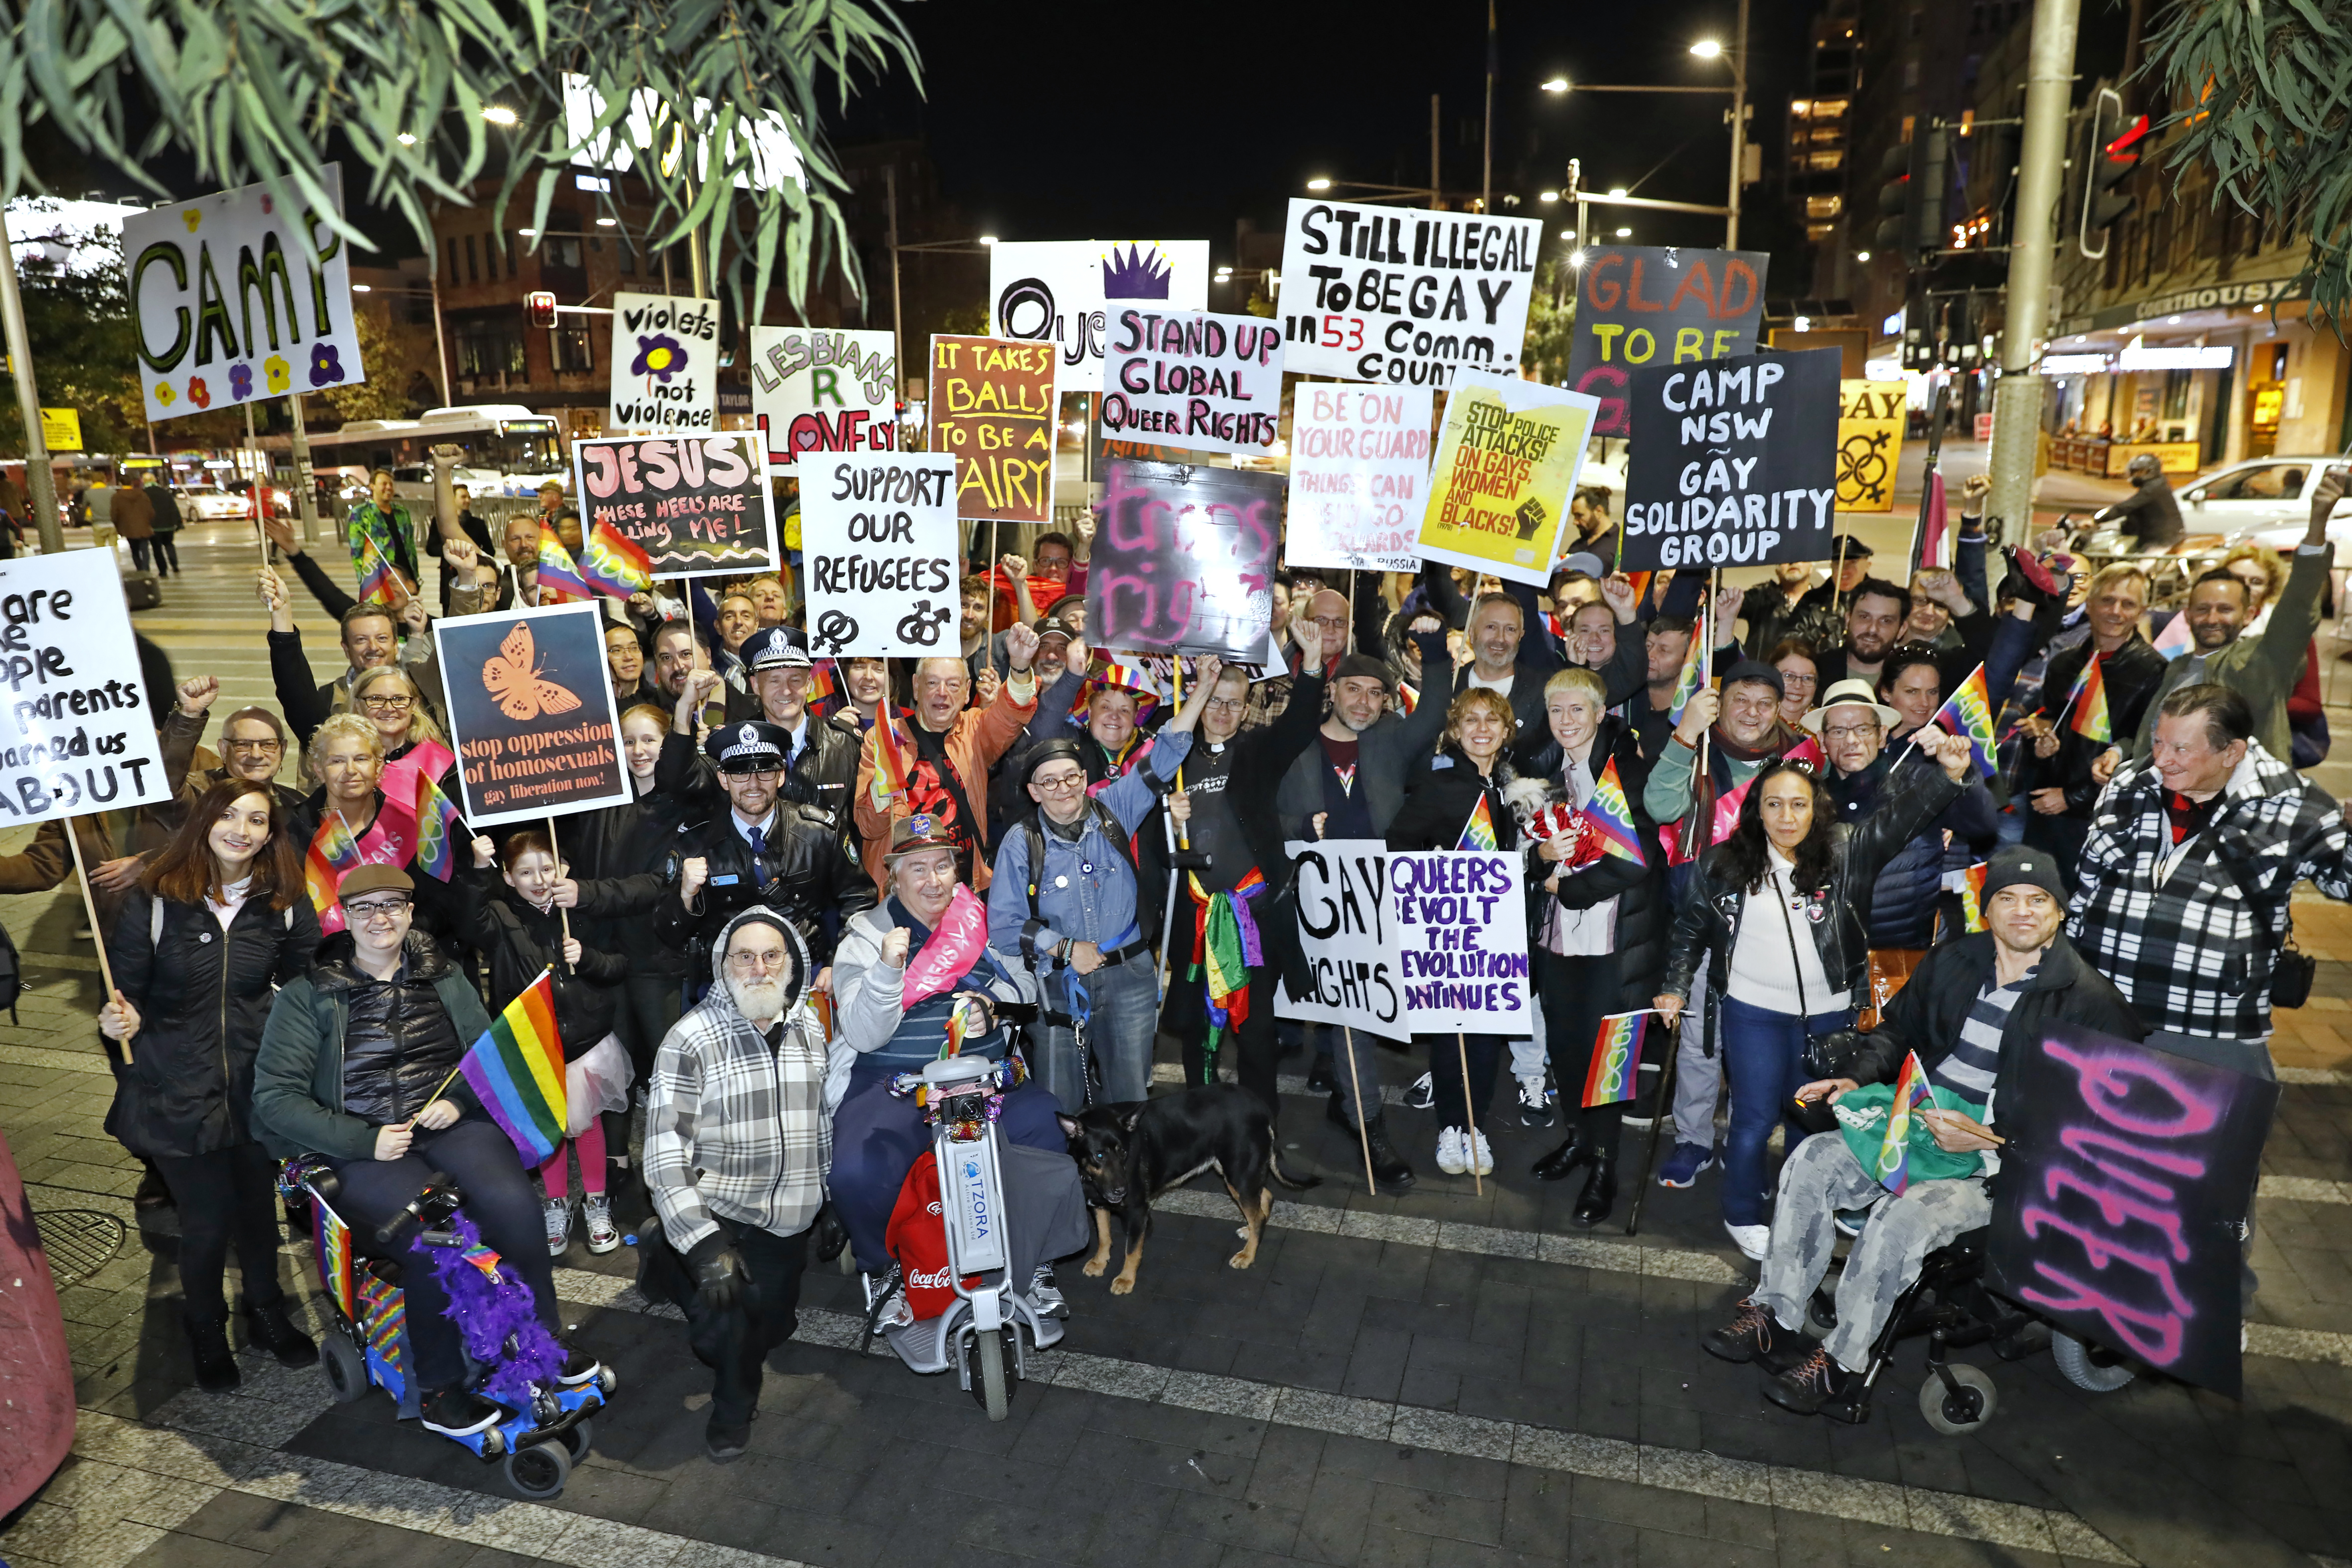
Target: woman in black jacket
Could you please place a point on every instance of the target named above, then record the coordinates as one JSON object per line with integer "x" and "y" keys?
{"x": 219, "y": 918}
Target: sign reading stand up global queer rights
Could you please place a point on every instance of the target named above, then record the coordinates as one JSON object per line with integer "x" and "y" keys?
{"x": 665, "y": 366}
{"x": 77, "y": 734}
{"x": 1734, "y": 461}
{"x": 229, "y": 306}
{"x": 697, "y": 506}
{"x": 1402, "y": 297}
{"x": 1187, "y": 379}
{"x": 530, "y": 713}
{"x": 1507, "y": 464}
{"x": 878, "y": 541}
{"x": 814, "y": 390}
{"x": 1060, "y": 291}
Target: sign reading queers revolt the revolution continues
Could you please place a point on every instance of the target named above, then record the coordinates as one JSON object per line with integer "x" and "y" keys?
{"x": 1184, "y": 560}
{"x": 1358, "y": 469}
{"x": 1734, "y": 461}
{"x": 992, "y": 410}
{"x": 664, "y": 364}
{"x": 78, "y": 735}
{"x": 530, "y": 713}
{"x": 230, "y": 306}
{"x": 1404, "y": 297}
{"x": 1639, "y": 305}
{"x": 815, "y": 390}
{"x": 1507, "y": 464}
{"x": 697, "y": 505}
{"x": 878, "y": 537}
{"x": 1059, "y": 291}
{"x": 1400, "y": 944}
{"x": 1184, "y": 378}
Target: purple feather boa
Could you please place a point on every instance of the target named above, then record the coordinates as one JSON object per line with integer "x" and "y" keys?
{"x": 497, "y": 1317}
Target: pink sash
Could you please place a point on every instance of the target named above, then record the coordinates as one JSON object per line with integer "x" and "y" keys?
{"x": 399, "y": 781}
{"x": 955, "y": 946}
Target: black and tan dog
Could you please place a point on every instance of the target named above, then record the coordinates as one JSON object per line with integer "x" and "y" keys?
{"x": 1128, "y": 1154}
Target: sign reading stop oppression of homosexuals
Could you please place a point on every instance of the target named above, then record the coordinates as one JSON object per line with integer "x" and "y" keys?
{"x": 1507, "y": 464}
{"x": 1188, "y": 379}
{"x": 227, "y": 307}
{"x": 878, "y": 541}
{"x": 77, "y": 734}
{"x": 1409, "y": 943}
{"x": 665, "y": 366}
{"x": 1734, "y": 461}
{"x": 1406, "y": 298}
{"x": 816, "y": 390}
{"x": 992, "y": 410}
{"x": 1640, "y": 305}
{"x": 530, "y": 713}
{"x": 699, "y": 506}
{"x": 1358, "y": 474}
{"x": 1183, "y": 560}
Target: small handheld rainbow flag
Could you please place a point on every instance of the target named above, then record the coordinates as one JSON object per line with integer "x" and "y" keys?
{"x": 436, "y": 842}
{"x": 959, "y": 1025}
{"x": 1972, "y": 897}
{"x": 612, "y": 563}
{"x": 1969, "y": 714}
{"x": 2175, "y": 638}
{"x": 558, "y": 578}
{"x": 1692, "y": 677}
{"x": 822, "y": 687}
{"x": 332, "y": 853}
{"x": 1478, "y": 833}
{"x": 1612, "y": 817}
{"x": 376, "y": 583}
{"x": 2089, "y": 701}
{"x": 516, "y": 1070}
{"x": 1616, "y": 1070}
{"x": 1893, "y": 1172}
{"x": 889, "y": 763}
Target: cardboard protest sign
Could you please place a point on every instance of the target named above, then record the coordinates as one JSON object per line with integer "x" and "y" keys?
{"x": 1640, "y": 305}
{"x": 1359, "y": 475}
{"x": 1184, "y": 560}
{"x": 79, "y": 734}
{"x": 1506, "y": 463}
{"x": 1404, "y": 297}
{"x": 1195, "y": 381}
{"x": 993, "y": 409}
{"x": 878, "y": 545}
{"x": 228, "y": 306}
{"x": 1869, "y": 440}
{"x": 814, "y": 390}
{"x": 1060, "y": 291}
{"x": 697, "y": 506}
{"x": 2117, "y": 1207}
{"x": 665, "y": 366}
{"x": 530, "y": 713}
{"x": 1458, "y": 919}
{"x": 1736, "y": 462}
{"x": 1343, "y": 923}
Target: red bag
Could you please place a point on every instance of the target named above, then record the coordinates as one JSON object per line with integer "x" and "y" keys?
{"x": 918, "y": 1239}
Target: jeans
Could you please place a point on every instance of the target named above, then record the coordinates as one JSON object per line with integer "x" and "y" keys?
{"x": 227, "y": 1195}
{"x": 143, "y": 554}
{"x": 734, "y": 1344}
{"x": 167, "y": 553}
{"x": 1577, "y": 993}
{"x": 1126, "y": 1001}
{"x": 1447, "y": 1053}
{"x": 1762, "y": 1052}
{"x": 1185, "y": 1016}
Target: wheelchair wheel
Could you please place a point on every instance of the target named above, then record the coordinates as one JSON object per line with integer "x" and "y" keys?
{"x": 1948, "y": 1410}
{"x": 538, "y": 1471}
{"x": 577, "y": 1437}
{"x": 987, "y": 1377}
{"x": 2087, "y": 1368}
{"x": 345, "y": 1368}
{"x": 1821, "y": 1316}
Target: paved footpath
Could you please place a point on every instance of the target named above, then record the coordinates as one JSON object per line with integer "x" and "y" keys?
{"x": 1442, "y": 1379}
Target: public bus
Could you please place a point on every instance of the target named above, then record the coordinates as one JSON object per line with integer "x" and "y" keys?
{"x": 508, "y": 451}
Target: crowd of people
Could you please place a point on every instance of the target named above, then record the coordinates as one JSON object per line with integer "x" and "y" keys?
{"x": 831, "y": 866}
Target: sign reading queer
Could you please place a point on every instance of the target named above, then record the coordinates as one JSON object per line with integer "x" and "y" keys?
{"x": 78, "y": 735}
{"x": 1640, "y": 305}
{"x": 227, "y": 309}
{"x": 1343, "y": 931}
{"x": 993, "y": 409}
{"x": 878, "y": 537}
{"x": 818, "y": 391}
{"x": 2120, "y": 1198}
{"x": 1359, "y": 470}
{"x": 1378, "y": 294}
{"x": 1869, "y": 437}
{"x": 1459, "y": 922}
{"x": 665, "y": 366}
{"x": 530, "y": 713}
{"x": 1184, "y": 378}
{"x": 1507, "y": 464}
{"x": 1058, "y": 291}
{"x": 696, "y": 506}
{"x": 1184, "y": 560}
{"x": 1735, "y": 464}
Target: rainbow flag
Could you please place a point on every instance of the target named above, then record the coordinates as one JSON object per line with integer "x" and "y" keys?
{"x": 332, "y": 1239}
{"x": 2175, "y": 638}
{"x": 1616, "y": 1070}
{"x": 1969, "y": 714}
{"x": 1972, "y": 897}
{"x": 333, "y": 851}
{"x": 1893, "y": 1172}
{"x": 377, "y": 583}
{"x": 1478, "y": 833}
{"x": 1693, "y": 676}
{"x": 958, "y": 1027}
{"x": 890, "y": 763}
{"x": 1612, "y": 816}
{"x": 1407, "y": 699}
{"x": 2089, "y": 701}
{"x": 436, "y": 819}
{"x": 516, "y": 1070}
{"x": 612, "y": 564}
{"x": 559, "y": 580}
{"x": 822, "y": 685}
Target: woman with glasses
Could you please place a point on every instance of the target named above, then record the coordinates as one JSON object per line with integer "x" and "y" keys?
{"x": 1800, "y": 678}
{"x": 215, "y": 924}
{"x": 389, "y": 699}
{"x": 363, "y": 815}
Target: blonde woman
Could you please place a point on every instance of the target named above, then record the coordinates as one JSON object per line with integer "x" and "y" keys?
{"x": 347, "y": 756}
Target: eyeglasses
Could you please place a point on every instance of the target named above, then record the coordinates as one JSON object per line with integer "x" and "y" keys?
{"x": 1849, "y": 732}
{"x": 260, "y": 748}
{"x": 758, "y": 962}
{"x": 1062, "y": 784}
{"x": 387, "y": 704}
{"x": 387, "y": 909}
{"x": 1228, "y": 704}
{"x": 1799, "y": 681}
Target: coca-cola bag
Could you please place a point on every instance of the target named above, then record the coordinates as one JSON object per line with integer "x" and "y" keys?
{"x": 919, "y": 1240}
{"x": 1045, "y": 1217}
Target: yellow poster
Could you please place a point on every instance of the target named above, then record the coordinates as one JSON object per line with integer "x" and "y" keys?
{"x": 1508, "y": 457}
{"x": 61, "y": 429}
{"x": 1870, "y": 439}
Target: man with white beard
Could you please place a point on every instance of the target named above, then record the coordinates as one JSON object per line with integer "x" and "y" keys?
{"x": 737, "y": 1146}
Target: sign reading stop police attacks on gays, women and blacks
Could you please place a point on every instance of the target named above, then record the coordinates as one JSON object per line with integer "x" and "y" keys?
{"x": 878, "y": 540}
{"x": 228, "y": 304}
{"x": 1638, "y": 305}
{"x": 76, "y": 733}
{"x": 1507, "y": 464}
{"x": 1734, "y": 461}
{"x": 992, "y": 410}
{"x": 1188, "y": 379}
{"x": 817, "y": 390}
{"x": 697, "y": 505}
{"x": 1381, "y": 294}
{"x": 665, "y": 366}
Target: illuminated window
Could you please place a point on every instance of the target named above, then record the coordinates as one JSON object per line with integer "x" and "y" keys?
{"x": 1824, "y": 207}
{"x": 1821, "y": 160}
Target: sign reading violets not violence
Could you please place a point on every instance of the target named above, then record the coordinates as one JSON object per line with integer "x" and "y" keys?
{"x": 665, "y": 366}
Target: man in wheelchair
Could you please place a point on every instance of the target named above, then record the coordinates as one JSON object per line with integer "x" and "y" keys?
{"x": 1970, "y": 1011}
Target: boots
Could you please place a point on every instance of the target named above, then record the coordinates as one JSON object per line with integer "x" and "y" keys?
{"x": 208, "y": 1347}
{"x": 1389, "y": 1169}
{"x": 1556, "y": 1165}
{"x": 273, "y": 1331}
{"x": 1600, "y": 1189}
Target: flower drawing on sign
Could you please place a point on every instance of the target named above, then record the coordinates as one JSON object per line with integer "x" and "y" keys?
{"x": 163, "y": 393}
{"x": 198, "y": 392}
{"x": 659, "y": 356}
{"x": 240, "y": 381}
{"x": 326, "y": 365}
{"x": 277, "y": 372}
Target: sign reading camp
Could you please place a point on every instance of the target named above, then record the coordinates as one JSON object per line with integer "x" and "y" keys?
{"x": 878, "y": 537}
{"x": 531, "y": 713}
{"x": 697, "y": 505}
{"x": 1377, "y": 294}
{"x": 1204, "y": 382}
{"x": 1734, "y": 461}
{"x": 78, "y": 735}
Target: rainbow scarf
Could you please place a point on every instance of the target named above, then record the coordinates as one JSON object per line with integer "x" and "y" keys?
{"x": 2089, "y": 701}
{"x": 559, "y": 581}
{"x": 1225, "y": 937}
{"x": 1616, "y": 1070}
{"x": 1892, "y": 1167}
{"x": 1611, "y": 816}
{"x": 516, "y": 1070}
{"x": 1969, "y": 714}
{"x": 611, "y": 563}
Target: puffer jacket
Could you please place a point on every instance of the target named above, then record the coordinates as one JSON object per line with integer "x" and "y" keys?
{"x": 203, "y": 996}
{"x": 622, "y": 843}
{"x": 1645, "y": 914}
{"x": 1906, "y": 893}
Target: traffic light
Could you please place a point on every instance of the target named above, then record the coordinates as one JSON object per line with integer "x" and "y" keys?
{"x": 538, "y": 308}
{"x": 1911, "y": 202}
{"x": 2106, "y": 201}
{"x": 1894, "y": 194}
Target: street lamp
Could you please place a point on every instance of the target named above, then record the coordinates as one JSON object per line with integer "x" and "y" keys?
{"x": 1319, "y": 184}
{"x": 1557, "y": 84}
{"x": 1707, "y": 50}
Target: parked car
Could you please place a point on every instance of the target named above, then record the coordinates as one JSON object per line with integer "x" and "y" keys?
{"x": 2258, "y": 496}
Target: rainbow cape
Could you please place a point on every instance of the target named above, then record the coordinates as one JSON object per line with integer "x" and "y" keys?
{"x": 2089, "y": 701}
{"x": 889, "y": 763}
{"x": 436, "y": 820}
{"x": 1969, "y": 714}
{"x": 1894, "y": 1166}
{"x": 1616, "y": 1070}
{"x": 558, "y": 578}
{"x": 1478, "y": 833}
{"x": 333, "y": 852}
{"x": 516, "y": 1070}
{"x": 1972, "y": 897}
{"x": 611, "y": 563}
{"x": 1612, "y": 816}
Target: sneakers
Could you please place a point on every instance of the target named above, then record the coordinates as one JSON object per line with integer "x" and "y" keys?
{"x": 1754, "y": 1335}
{"x": 725, "y": 1440}
{"x": 1751, "y": 1239}
{"x": 1457, "y": 1149}
{"x": 458, "y": 1413}
{"x": 1421, "y": 1093}
{"x": 1045, "y": 1295}
{"x": 1813, "y": 1382}
{"x": 559, "y": 1225}
{"x": 1485, "y": 1152}
{"x": 1683, "y": 1163}
{"x": 1535, "y": 1105}
{"x": 596, "y": 1214}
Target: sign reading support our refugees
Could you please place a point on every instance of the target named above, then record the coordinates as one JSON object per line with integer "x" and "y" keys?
{"x": 1734, "y": 461}
{"x": 1061, "y": 292}
{"x": 1405, "y": 944}
{"x": 992, "y": 410}
{"x": 1869, "y": 439}
{"x": 817, "y": 390}
{"x": 1183, "y": 560}
{"x": 697, "y": 506}
{"x": 1507, "y": 464}
{"x": 1640, "y": 305}
{"x": 78, "y": 735}
{"x": 530, "y": 713}
{"x": 228, "y": 304}
{"x": 665, "y": 366}
{"x": 1188, "y": 379}
{"x": 1404, "y": 297}
{"x": 878, "y": 544}
{"x": 1359, "y": 475}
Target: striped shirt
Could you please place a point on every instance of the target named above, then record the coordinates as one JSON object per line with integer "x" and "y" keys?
{"x": 1975, "y": 1058}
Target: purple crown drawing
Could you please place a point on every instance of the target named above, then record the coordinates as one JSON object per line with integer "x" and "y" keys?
{"x": 1134, "y": 276}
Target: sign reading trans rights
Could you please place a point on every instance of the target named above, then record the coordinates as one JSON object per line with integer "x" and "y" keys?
{"x": 1376, "y": 294}
{"x": 1734, "y": 461}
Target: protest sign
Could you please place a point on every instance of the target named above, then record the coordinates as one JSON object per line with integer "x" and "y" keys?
{"x": 1869, "y": 439}
{"x": 814, "y": 390}
{"x": 1359, "y": 475}
{"x": 2117, "y": 1209}
{"x": 1506, "y": 463}
{"x": 229, "y": 306}
{"x": 1642, "y": 305}
{"x": 1343, "y": 932}
{"x": 1458, "y": 919}
{"x": 1735, "y": 463}
{"x": 665, "y": 366}
{"x": 1184, "y": 559}
{"x": 80, "y": 735}
{"x": 1193, "y": 381}
{"x": 530, "y": 713}
{"x": 993, "y": 409}
{"x": 878, "y": 544}
{"x": 1059, "y": 291}
{"x": 697, "y": 506}
{"x": 1404, "y": 297}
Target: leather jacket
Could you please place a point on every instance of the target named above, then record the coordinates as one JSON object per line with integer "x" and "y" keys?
{"x": 810, "y": 879}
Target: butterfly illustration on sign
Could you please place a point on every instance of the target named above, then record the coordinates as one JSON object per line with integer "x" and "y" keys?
{"x": 515, "y": 682}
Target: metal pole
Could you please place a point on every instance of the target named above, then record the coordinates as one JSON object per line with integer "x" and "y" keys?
{"x": 1738, "y": 130}
{"x": 2017, "y": 398}
{"x": 1436, "y": 189}
{"x": 306, "y": 491}
{"x": 898, "y": 312}
{"x": 40, "y": 484}
{"x": 1486, "y": 175}
{"x": 440, "y": 347}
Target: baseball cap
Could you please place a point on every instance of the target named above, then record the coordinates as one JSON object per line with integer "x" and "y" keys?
{"x": 1584, "y": 561}
{"x": 1050, "y": 626}
{"x": 751, "y": 746}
